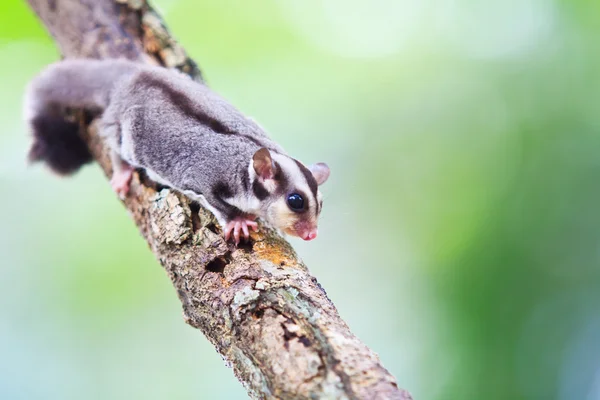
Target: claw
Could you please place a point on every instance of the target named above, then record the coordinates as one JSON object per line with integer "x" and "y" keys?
{"x": 252, "y": 224}
{"x": 236, "y": 232}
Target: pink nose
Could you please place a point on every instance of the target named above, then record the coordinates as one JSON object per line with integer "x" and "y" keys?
{"x": 310, "y": 235}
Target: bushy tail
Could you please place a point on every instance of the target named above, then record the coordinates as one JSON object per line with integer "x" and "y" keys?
{"x": 57, "y": 143}
{"x": 84, "y": 84}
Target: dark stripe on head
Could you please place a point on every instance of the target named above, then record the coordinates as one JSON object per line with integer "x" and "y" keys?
{"x": 310, "y": 179}
{"x": 187, "y": 106}
{"x": 259, "y": 190}
{"x": 281, "y": 178}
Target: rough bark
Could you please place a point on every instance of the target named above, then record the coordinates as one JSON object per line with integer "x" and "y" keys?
{"x": 258, "y": 304}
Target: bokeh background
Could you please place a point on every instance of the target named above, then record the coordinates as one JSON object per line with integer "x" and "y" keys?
{"x": 461, "y": 231}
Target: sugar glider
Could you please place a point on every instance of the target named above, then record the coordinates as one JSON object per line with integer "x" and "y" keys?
{"x": 182, "y": 134}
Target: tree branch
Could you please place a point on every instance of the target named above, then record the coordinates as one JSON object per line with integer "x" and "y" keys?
{"x": 258, "y": 304}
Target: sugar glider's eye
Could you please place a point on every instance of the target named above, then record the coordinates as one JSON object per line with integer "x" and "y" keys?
{"x": 295, "y": 202}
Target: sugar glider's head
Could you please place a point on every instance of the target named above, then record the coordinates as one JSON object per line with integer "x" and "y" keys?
{"x": 288, "y": 192}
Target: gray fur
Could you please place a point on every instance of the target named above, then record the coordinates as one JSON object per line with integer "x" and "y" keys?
{"x": 178, "y": 130}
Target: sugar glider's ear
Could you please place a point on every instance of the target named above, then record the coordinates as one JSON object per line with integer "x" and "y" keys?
{"x": 263, "y": 164}
{"x": 320, "y": 171}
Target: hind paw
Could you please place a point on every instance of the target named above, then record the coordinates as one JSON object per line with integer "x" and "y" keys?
{"x": 121, "y": 179}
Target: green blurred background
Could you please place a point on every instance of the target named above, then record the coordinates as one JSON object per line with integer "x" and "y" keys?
{"x": 461, "y": 232}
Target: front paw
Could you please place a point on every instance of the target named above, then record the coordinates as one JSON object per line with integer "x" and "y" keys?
{"x": 240, "y": 225}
